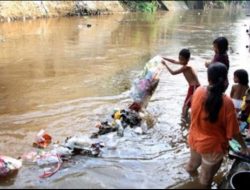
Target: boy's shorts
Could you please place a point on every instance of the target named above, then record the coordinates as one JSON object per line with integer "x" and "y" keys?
{"x": 189, "y": 96}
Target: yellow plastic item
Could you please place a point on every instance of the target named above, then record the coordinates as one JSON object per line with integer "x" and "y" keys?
{"x": 243, "y": 107}
{"x": 117, "y": 115}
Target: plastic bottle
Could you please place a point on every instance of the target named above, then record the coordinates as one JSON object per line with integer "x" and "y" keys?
{"x": 120, "y": 129}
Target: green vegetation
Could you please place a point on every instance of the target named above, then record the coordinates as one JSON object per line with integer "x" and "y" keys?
{"x": 143, "y": 6}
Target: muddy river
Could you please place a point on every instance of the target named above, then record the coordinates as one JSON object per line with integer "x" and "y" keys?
{"x": 62, "y": 76}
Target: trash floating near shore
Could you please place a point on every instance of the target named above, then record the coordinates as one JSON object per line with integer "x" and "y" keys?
{"x": 9, "y": 165}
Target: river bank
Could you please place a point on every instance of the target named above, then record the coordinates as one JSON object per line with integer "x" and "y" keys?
{"x": 23, "y": 10}
{"x": 26, "y": 10}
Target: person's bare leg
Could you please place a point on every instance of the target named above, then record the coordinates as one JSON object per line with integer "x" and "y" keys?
{"x": 208, "y": 171}
{"x": 194, "y": 163}
{"x": 184, "y": 117}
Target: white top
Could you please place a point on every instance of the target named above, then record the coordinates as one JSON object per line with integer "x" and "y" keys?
{"x": 237, "y": 103}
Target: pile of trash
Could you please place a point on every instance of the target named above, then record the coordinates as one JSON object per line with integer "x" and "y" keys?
{"x": 52, "y": 160}
{"x": 141, "y": 92}
{"x": 121, "y": 119}
{"x": 135, "y": 116}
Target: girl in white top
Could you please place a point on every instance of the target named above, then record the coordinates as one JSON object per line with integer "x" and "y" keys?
{"x": 238, "y": 90}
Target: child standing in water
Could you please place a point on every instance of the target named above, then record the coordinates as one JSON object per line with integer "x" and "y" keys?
{"x": 190, "y": 76}
{"x": 238, "y": 90}
{"x": 220, "y": 46}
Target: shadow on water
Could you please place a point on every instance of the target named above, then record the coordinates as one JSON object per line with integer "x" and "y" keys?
{"x": 58, "y": 75}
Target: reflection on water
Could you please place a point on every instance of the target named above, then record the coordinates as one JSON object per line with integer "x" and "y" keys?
{"x": 59, "y": 75}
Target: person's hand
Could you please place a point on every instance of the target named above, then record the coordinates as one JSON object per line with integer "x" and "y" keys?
{"x": 245, "y": 151}
{"x": 206, "y": 63}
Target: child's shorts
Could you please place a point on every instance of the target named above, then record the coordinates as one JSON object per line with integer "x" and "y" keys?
{"x": 209, "y": 167}
{"x": 210, "y": 164}
{"x": 189, "y": 96}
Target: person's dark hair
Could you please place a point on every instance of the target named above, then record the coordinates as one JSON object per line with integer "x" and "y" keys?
{"x": 222, "y": 44}
{"x": 242, "y": 75}
{"x": 247, "y": 92}
{"x": 185, "y": 53}
{"x": 217, "y": 77}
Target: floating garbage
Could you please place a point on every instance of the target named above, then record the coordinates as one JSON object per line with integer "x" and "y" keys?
{"x": 120, "y": 129}
{"x": 52, "y": 163}
{"x": 42, "y": 139}
{"x": 104, "y": 128}
{"x": 80, "y": 26}
{"x": 52, "y": 160}
{"x": 133, "y": 117}
{"x": 138, "y": 130}
{"x": 83, "y": 146}
{"x": 141, "y": 92}
{"x": 120, "y": 120}
{"x": 9, "y": 165}
{"x": 48, "y": 159}
{"x": 31, "y": 157}
{"x": 64, "y": 152}
{"x": 135, "y": 106}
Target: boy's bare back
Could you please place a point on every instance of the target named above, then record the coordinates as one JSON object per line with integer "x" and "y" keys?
{"x": 190, "y": 75}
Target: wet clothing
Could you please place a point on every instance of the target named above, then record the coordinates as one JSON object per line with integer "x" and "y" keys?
{"x": 237, "y": 103}
{"x": 209, "y": 163}
{"x": 222, "y": 58}
{"x": 189, "y": 96}
{"x": 206, "y": 137}
{"x": 135, "y": 106}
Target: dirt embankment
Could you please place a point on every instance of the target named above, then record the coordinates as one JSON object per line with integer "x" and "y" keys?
{"x": 22, "y": 10}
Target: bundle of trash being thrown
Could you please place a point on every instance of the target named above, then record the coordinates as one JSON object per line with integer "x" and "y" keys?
{"x": 141, "y": 92}
{"x": 146, "y": 84}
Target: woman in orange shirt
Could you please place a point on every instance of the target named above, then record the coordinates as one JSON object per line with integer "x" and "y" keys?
{"x": 213, "y": 124}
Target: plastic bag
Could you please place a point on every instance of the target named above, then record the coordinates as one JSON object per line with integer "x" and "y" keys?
{"x": 42, "y": 139}
{"x": 8, "y": 165}
{"x": 148, "y": 81}
{"x": 153, "y": 68}
{"x": 53, "y": 161}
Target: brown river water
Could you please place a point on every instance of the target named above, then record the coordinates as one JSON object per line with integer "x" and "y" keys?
{"x": 59, "y": 75}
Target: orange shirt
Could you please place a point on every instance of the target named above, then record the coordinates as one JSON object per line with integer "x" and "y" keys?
{"x": 206, "y": 137}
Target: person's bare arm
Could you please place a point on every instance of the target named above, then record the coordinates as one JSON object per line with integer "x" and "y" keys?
{"x": 181, "y": 70}
{"x": 244, "y": 149}
{"x": 171, "y": 60}
{"x": 232, "y": 91}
